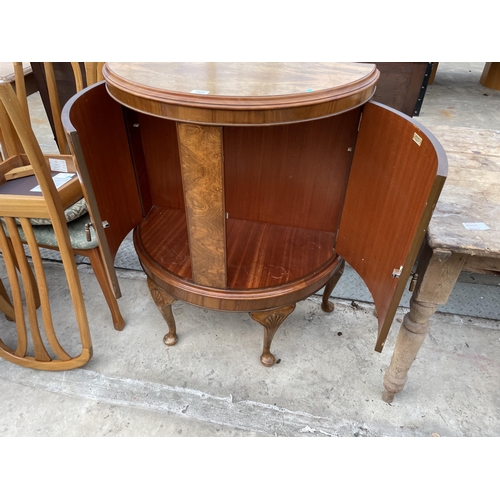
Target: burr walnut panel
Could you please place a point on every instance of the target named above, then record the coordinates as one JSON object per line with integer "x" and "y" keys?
{"x": 202, "y": 175}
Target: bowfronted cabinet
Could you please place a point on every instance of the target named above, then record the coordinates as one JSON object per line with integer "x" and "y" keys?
{"x": 248, "y": 185}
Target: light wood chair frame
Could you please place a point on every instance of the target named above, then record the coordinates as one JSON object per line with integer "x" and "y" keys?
{"x": 13, "y": 146}
{"x": 49, "y": 206}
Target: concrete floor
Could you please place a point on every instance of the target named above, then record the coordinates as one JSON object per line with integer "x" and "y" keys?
{"x": 329, "y": 380}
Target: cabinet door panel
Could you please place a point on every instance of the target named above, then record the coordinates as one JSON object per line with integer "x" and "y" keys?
{"x": 96, "y": 130}
{"x": 396, "y": 176}
{"x": 97, "y": 121}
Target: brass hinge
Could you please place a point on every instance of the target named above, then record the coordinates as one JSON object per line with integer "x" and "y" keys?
{"x": 413, "y": 282}
{"x": 360, "y": 118}
{"x": 88, "y": 225}
{"x": 87, "y": 231}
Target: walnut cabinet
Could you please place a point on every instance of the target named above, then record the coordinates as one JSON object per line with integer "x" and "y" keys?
{"x": 248, "y": 185}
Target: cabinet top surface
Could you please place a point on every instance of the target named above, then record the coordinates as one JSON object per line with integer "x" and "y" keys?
{"x": 241, "y": 93}
{"x": 242, "y": 79}
{"x": 202, "y": 83}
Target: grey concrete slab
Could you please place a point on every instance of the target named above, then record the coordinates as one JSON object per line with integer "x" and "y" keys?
{"x": 456, "y": 98}
{"x": 328, "y": 382}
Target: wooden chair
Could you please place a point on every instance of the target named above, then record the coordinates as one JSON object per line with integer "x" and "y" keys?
{"x": 5, "y": 304}
{"x": 50, "y": 203}
{"x": 83, "y": 242}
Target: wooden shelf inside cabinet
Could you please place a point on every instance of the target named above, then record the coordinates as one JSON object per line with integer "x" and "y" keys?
{"x": 259, "y": 255}
{"x": 163, "y": 237}
{"x": 269, "y": 265}
{"x": 256, "y": 180}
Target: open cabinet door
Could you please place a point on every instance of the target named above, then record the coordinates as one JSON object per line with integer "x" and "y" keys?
{"x": 98, "y": 138}
{"x": 397, "y": 174}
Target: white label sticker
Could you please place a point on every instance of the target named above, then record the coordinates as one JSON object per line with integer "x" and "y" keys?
{"x": 59, "y": 180}
{"x": 204, "y": 92}
{"x": 417, "y": 139}
{"x": 475, "y": 226}
{"x": 58, "y": 165}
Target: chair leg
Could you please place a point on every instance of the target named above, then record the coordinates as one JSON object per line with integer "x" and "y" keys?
{"x": 34, "y": 285}
{"x": 5, "y": 304}
{"x": 100, "y": 273}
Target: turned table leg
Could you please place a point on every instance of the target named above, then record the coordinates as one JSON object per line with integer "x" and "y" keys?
{"x": 411, "y": 335}
{"x": 271, "y": 321}
{"x": 326, "y": 305}
{"x": 164, "y": 301}
{"x": 437, "y": 271}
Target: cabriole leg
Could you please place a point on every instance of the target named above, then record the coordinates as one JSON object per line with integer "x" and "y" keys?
{"x": 326, "y": 305}
{"x": 164, "y": 301}
{"x": 271, "y": 321}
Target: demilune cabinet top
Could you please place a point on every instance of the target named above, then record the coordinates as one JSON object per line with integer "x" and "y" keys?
{"x": 241, "y": 93}
{"x": 248, "y": 184}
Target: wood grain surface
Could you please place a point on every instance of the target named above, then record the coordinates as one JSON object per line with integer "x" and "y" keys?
{"x": 161, "y": 153}
{"x": 58, "y": 221}
{"x": 294, "y": 175}
{"x": 202, "y": 168}
{"x": 96, "y": 127}
{"x": 134, "y": 134}
{"x": 240, "y": 80}
{"x": 164, "y": 238}
{"x": 19, "y": 201}
{"x": 471, "y": 192}
{"x": 235, "y": 300}
{"x": 491, "y": 75}
{"x": 394, "y": 183}
{"x": 400, "y": 84}
{"x": 266, "y": 255}
{"x": 241, "y": 93}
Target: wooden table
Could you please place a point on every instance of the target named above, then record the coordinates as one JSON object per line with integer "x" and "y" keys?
{"x": 248, "y": 184}
{"x": 471, "y": 196}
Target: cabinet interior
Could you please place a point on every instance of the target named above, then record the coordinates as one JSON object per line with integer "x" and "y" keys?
{"x": 275, "y": 234}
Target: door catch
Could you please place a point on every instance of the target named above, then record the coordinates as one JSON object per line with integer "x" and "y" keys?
{"x": 396, "y": 273}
